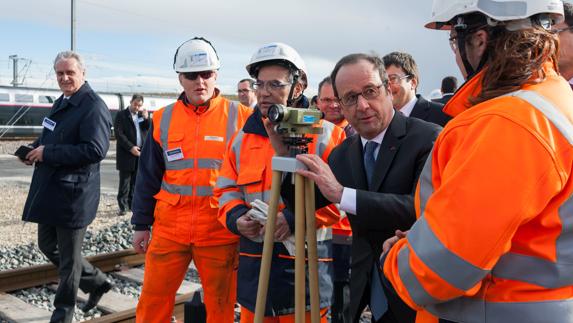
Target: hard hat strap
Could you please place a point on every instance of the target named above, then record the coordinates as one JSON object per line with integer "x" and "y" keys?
{"x": 463, "y": 30}
{"x": 290, "y": 99}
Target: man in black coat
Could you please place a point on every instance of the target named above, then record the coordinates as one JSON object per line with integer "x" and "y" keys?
{"x": 65, "y": 189}
{"x": 372, "y": 176}
{"x": 448, "y": 88}
{"x": 130, "y": 129}
{"x": 404, "y": 79}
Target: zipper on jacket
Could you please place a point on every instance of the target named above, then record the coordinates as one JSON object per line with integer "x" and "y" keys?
{"x": 194, "y": 179}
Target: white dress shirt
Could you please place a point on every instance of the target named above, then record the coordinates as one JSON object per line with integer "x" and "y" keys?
{"x": 135, "y": 119}
{"x": 408, "y": 107}
{"x": 348, "y": 199}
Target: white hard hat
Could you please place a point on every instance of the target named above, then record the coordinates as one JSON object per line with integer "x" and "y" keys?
{"x": 443, "y": 11}
{"x": 196, "y": 55}
{"x": 282, "y": 53}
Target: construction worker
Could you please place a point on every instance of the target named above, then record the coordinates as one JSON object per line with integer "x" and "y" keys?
{"x": 246, "y": 174}
{"x": 179, "y": 164}
{"x": 493, "y": 239}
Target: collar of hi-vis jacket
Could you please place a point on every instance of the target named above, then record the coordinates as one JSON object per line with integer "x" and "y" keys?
{"x": 200, "y": 108}
{"x": 254, "y": 124}
{"x": 460, "y": 102}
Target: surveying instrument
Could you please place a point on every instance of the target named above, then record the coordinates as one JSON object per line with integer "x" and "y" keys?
{"x": 293, "y": 124}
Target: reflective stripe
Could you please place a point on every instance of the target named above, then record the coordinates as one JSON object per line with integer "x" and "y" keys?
{"x": 474, "y": 310}
{"x": 531, "y": 269}
{"x": 539, "y": 271}
{"x": 236, "y": 147}
{"x": 455, "y": 270}
{"x": 556, "y": 117}
{"x": 324, "y": 234}
{"x": 232, "y": 120}
{"x": 209, "y": 163}
{"x": 230, "y": 196}
{"x": 251, "y": 197}
{"x": 177, "y": 189}
{"x": 203, "y": 191}
{"x": 224, "y": 182}
{"x": 411, "y": 282}
{"x": 426, "y": 186}
{"x": 324, "y": 138}
{"x": 187, "y": 189}
{"x": 164, "y": 129}
{"x": 179, "y": 164}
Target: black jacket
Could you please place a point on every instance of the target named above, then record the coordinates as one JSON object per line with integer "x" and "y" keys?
{"x": 444, "y": 99}
{"x": 126, "y": 138}
{"x": 65, "y": 187}
{"x": 388, "y": 204}
{"x": 429, "y": 111}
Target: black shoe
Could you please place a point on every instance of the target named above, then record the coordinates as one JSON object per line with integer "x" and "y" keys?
{"x": 96, "y": 295}
{"x": 121, "y": 213}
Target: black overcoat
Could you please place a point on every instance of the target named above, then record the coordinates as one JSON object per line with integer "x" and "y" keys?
{"x": 65, "y": 187}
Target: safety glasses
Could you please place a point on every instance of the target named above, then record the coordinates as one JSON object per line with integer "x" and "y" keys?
{"x": 192, "y": 76}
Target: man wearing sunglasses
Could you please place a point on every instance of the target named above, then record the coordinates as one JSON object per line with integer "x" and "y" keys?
{"x": 565, "y": 31}
{"x": 372, "y": 175}
{"x": 403, "y": 77}
{"x": 179, "y": 164}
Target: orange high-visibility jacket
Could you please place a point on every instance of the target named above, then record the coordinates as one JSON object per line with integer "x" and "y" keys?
{"x": 246, "y": 175}
{"x": 494, "y": 237}
{"x": 193, "y": 146}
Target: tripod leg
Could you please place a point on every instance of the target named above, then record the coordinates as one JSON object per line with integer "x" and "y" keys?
{"x": 312, "y": 253}
{"x": 299, "y": 260}
{"x": 268, "y": 245}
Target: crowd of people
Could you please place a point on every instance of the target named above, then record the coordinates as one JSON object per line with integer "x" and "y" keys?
{"x": 425, "y": 212}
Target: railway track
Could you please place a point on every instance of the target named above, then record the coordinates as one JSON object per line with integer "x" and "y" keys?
{"x": 116, "y": 307}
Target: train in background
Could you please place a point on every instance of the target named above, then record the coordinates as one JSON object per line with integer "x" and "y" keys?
{"x": 22, "y": 109}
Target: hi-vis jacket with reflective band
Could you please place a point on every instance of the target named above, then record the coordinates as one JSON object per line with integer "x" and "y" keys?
{"x": 246, "y": 175}
{"x": 192, "y": 146}
{"x": 494, "y": 237}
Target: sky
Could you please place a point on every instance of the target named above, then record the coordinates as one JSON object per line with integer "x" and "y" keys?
{"x": 128, "y": 45}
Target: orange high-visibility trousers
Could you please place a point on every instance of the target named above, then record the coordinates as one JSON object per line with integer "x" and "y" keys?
{"x": 249, "y": 317}
{"x": 166, "y": 263}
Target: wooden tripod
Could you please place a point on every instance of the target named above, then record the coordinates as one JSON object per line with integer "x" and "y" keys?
{"x": 304, "y": 208}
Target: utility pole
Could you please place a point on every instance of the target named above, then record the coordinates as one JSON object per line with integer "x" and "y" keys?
{"x": 73, "y": 27}
{"x": 15, "y": 81}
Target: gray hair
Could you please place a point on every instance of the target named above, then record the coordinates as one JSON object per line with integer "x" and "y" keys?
{"x": 67, "y": 55}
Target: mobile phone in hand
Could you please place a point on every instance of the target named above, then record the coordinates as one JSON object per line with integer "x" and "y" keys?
{"x": 23, "y": 151}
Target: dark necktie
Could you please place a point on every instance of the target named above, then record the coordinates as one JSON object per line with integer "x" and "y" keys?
{"x": 369, "y": 160}
{"x": 378, "y": 302}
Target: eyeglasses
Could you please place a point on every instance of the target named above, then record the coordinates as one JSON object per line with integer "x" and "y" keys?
{"x": 560, "y": 30}
{"x": 329, "y": 101}
{"x": 395, "y": 78}
{"x": 244, "y": 91}
{"x": 453, "y": 42}
{"x": 273, "y": 85}
{"x": 192, "y": 76}
{"x": 368, "y": 93}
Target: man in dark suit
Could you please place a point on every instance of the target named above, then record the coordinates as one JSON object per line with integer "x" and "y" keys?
{"x": 449, "y": 86}
{"x": 65, "y": 189}
{"x": 130, "y": 129}
{"x": 404, "y": 78}
{"x": 373, "y": 176}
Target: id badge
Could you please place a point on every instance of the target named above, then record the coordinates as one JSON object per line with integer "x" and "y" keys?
{"x": 213, "y": 138}
{"x": 174, "y": 154}
{"x": 140, "y": 119}
{"x": 49, "y": 124}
